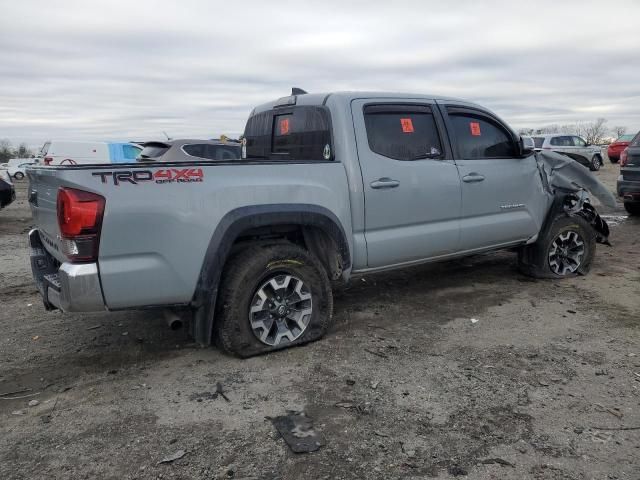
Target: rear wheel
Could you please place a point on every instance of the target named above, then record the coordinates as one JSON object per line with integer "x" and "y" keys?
{"x": 596, "y": 163}
{"x": 18, "y": 175}
{"x": 613, "y": 160}
{"x": 272, "y": 298}
{"x": 565, "y": 250}
{"x": 632, "y": 208}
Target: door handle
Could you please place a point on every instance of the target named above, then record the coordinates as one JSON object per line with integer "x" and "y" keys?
{"x": 384, "y": 182}
{"x": 473, "y": 177}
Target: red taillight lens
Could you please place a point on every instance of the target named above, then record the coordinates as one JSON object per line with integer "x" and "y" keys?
{"x": 624, "y": 156}
{"x": 80, "y": 220}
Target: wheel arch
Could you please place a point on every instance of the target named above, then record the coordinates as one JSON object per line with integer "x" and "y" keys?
{"x": 320, "y": 228}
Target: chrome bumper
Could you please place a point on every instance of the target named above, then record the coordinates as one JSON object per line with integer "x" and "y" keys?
{"x": 67, "y": 286}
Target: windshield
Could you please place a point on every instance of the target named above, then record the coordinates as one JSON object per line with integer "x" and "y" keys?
{"x": 44, "y": 149}
{"x": 625, "y": 138}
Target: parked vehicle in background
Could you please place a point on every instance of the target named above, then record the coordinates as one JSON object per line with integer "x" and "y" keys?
{"x": 7, "y": 192}
{"x": 329, "y": 185}
{"x": 572, "y": 146}
{"x": 185, "y": 150}
{"x": 628, "y": 185}
{"x": 615, "y": 149}
{"x": 16, "y": 167}
{"x": 78, "y": 153}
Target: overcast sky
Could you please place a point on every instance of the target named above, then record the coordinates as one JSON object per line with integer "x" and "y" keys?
{"x": 133, "y": 69}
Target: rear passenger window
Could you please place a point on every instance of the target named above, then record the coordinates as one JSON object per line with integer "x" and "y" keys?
{"x": 195, "y": 150}
{"x": 477, "y": 137}
{"x": 293, "y": 133}
{"x": 561, "y": 142}
{"x": 402, "y": 132}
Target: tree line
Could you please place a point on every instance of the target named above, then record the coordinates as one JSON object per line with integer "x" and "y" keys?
{"x": 7, "y": 151}
{"x": 595, "y": 133}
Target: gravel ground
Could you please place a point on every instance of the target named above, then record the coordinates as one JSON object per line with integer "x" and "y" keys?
{"x": 545, "y": 385}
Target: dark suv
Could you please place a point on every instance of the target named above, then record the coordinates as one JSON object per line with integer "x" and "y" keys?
{"x": 7, "y": 192}
{"x": 629, "y": 179}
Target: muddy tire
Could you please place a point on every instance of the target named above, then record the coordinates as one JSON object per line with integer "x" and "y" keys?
{"x": 596, "y": 163}
{"x": 272, "y": 297}
{"x": 632, "y": 208}
{"x": 565, "y": 249}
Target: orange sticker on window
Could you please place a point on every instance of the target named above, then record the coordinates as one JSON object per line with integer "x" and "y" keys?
{"x": 284, "y": 126}
{"x": 407, "y": 125}
{"x": 475, "y": 128}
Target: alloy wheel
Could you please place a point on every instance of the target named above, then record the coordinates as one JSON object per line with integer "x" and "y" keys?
{"x": 566, "y": 253}
{"x": 280, "y": 310}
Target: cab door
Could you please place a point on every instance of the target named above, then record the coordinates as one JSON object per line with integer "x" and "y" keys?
{"x": 411, "y": 183}
{"x": 500, "y": 190}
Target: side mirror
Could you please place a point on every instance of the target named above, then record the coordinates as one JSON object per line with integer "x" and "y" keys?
{"x": 527, "y": 146}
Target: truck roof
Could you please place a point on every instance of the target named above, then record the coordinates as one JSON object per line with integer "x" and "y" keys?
{"x": 348, "y": 96}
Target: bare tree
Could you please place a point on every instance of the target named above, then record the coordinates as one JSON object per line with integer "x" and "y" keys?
{"x": 23, "y": 151}
{"x": 6, "y": 152}
{"x": 618, "y": 131}
{"x": 594, "y": 132}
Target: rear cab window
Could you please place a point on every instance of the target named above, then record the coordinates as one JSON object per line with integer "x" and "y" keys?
{"x": 402, "y": 132}
{"x": 478, "y": 135}
{"x": 300, "y": 133}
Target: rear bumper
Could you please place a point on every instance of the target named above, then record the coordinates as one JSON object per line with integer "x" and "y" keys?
{"x": 67, "y": 286}
{"x": 628, "y": 190}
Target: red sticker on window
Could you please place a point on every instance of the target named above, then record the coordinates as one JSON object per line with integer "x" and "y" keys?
{"x": 284, "y": 126}
{"x": 407, "y": 125}
{"x": 475, "y": 128}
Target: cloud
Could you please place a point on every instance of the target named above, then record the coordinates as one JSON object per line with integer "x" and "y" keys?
{"x": 131, "y": 70}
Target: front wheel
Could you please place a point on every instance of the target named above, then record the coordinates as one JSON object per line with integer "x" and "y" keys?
{"x": 596, "y": 163}
{"x": 566, "y": 249}
{"x": 272, "y": 297}
{"x": 632, "y": 208}
{"x": 18, "y": 175}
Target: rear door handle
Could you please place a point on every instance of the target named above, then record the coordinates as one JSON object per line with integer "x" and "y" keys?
{"x": 384, "y": 182}
{"x": 473, "y": 177}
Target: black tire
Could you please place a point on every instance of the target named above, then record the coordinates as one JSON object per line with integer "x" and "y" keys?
{"x": 632, "y": 208}
{"x": 534, "y": 260}
{"x": 245, "y": 273}
{"x": 614, "y": 160}
{"x": 18, "y": 175}
{"x": 596, "y": 163}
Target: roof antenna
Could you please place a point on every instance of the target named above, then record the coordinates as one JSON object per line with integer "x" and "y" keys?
{"x": 297, "y": 91}
{"x": 168, "y": 137}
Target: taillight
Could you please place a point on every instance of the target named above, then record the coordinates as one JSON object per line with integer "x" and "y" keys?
{"x": 48, "y": 160}
{"x": 624, "y": 156}
{"x": 80, "y": 221}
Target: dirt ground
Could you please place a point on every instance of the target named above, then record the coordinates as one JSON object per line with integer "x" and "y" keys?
{"x": 545, "y": 385}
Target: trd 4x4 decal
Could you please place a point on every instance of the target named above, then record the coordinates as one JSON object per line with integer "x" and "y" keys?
{"x": 164, "y": 175}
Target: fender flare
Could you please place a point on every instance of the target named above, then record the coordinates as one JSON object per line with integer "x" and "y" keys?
{"x": 229, "y": 229}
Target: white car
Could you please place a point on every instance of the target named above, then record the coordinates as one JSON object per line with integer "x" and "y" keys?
{"x": 17, "y": 167}
{"x": 572, "y": 146}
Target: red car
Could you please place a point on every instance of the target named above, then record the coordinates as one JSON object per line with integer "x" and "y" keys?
{"x": 616, "y": 148}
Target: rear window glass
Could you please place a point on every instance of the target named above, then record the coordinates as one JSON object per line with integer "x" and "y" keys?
{"x": 625, "y": 138}
{"x": 538, "y": 141}
{"x": 153, "y": 151}
{"x": 402, "y": 132}
{"x": 298, "y": 133}
{"x": 131, "y": 152}
{"x": 476, "y": 137}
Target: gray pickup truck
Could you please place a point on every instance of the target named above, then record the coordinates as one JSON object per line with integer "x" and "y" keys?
{"x": 329, "y": 186}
